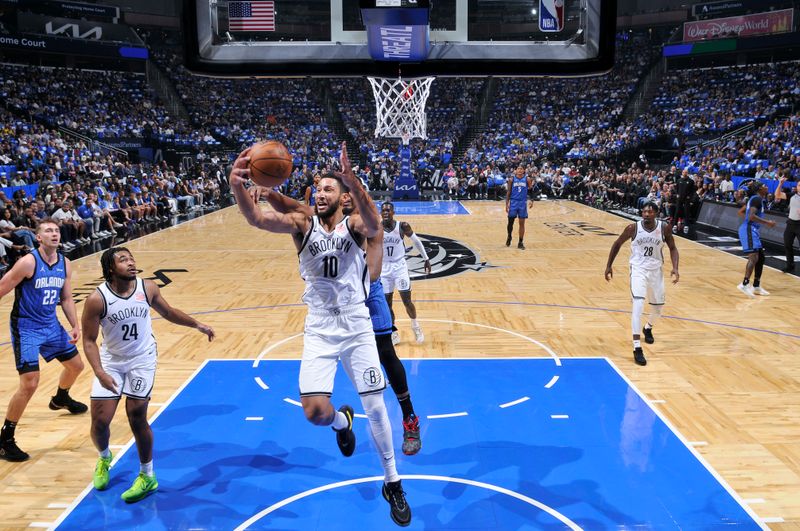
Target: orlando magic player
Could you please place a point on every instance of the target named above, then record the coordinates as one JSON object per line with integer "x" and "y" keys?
{"x": 517, "y": 204}
{"x": 378, "y": 311}
{"x": 125, "y": 363}
{"x": 333, "y": 264}
{"x": 647, "y": 238}
{"x": 41, "y": 281}
{"x": 750, "y": 236}
{"x": 394, "y": 271}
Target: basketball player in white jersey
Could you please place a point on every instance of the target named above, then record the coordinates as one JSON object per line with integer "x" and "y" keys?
{"x": 394, "y": 272}
{"x": 647, "y": 238}
{"x": 125, "y": 363}
{"x": 338, "y": 325}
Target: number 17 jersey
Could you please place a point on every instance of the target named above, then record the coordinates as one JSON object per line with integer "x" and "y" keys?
{"x": 126, "y": 324}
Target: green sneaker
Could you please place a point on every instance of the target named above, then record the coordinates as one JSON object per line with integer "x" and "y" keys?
{"x": 101, "y": 472}
{"x": 142, "y": 487}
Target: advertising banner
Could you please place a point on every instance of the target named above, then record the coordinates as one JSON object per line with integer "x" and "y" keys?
{"x": 742, "y": 26}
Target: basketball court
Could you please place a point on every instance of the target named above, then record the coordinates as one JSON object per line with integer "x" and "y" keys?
{"x": 705, "y": 434}
{"x": 533, "y": 412}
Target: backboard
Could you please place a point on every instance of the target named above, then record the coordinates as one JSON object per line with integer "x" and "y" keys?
{"x": 328, "y": 38}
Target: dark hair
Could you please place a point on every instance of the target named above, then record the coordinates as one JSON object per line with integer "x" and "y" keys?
{"x": 107, "y": 260}
{"x": 343, "y": 187}
{"x": 650, "y": 204}
{"x": 389, "y": 203}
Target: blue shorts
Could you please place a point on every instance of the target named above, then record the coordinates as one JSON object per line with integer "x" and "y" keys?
{"x": 750, "y": 237}
{"x": 52, "y": 342}
{"x": 518, "y": 210}
{"x": 379, "y": 309}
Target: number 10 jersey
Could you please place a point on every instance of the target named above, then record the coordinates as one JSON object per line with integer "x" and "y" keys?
{"x": 333, "y": 266}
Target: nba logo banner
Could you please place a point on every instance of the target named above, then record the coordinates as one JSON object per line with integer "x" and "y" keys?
{"x": 551, "y": 15}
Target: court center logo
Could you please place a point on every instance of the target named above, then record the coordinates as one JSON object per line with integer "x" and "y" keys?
{"x": 448, "y": 257}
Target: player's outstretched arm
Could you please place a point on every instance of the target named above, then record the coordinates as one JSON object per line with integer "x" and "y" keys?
{"x": 284, "y": 204}
{"x": 90, "y": 321}
{"x": 627, "y": 234}
{"x": 368, "y": 221}
{"x": 174, "y": 315}
{"x": 673, "y": 253}
{"x": 68, "y": 304}
{"x": 294, "y": 223}
{"x": 405, "y": 228}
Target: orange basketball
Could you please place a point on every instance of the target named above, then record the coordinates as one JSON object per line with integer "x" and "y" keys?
{"x": 270, "y": 163}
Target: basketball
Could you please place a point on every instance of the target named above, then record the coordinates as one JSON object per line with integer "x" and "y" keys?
{"x": 270, "y": 163}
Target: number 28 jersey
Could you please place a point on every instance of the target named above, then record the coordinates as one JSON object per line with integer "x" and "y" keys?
{"x": 647, "y": 246}
{"x": 126, "y": 323}
{"x": 333, "y": 266}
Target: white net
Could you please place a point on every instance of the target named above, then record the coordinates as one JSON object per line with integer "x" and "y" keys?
{"x": 400, "y": 106}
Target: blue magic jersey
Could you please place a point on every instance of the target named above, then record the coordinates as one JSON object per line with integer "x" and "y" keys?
{"x": 36, "y": 298}
{"x": 519, "y": 190}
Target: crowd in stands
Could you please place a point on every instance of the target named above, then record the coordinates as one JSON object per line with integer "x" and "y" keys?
{"x": 92, "y": 196}
{"x": 567, "y": 133}
{"x": 99, "y": 104}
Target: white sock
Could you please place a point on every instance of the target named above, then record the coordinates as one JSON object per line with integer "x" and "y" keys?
{"x": 105, "y": 454}
{"x": 146, "y": 469}
{"x": 637, "y": 343}
{"x": 414, "y": 323}
{"x": 381, "y": 431}
{"x": 339, "y": 421}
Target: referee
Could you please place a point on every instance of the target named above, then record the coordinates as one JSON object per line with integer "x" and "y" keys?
{"x": 792, "y": 224}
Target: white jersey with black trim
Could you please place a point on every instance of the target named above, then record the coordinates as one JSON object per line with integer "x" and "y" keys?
{"x": 394, "y": 250}
{"x": 333, "y": 266}
{"x": 126, "y": 323}
{"x": 647, "y": 247}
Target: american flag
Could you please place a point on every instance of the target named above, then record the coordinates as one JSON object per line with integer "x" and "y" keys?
{"x": 251, "y": 16}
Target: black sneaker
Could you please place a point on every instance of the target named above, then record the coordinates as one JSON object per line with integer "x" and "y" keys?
{"x": 648, "y": 336}
{"x": 345, "y": 437}
{"x": 400, "y": 511}
{"x": 11, "y": 452}
{"x": 520, "y": 246}
{"x": 638, "y": 356}
{"x": 73, "y": 406}
{"x": 508, "y": 242}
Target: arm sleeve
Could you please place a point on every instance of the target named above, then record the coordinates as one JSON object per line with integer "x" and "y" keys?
{"x": 418, "y": 246}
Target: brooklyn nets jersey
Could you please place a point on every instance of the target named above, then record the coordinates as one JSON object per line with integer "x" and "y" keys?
{"x": 394, "y": 250}
{"x": 646, "y": 247}
{"x": 334, "y": 267}
{"x": 127, "y": 328}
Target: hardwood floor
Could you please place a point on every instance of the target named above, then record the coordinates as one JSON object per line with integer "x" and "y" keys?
{"x": 726, "y": 367}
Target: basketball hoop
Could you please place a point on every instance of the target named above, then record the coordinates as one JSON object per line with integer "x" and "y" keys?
{"x": 400, "y": 106}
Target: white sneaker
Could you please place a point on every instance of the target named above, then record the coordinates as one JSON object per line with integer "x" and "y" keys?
{"x": 418, "y": 334}
{"x": 395, "y": 338}
{"x": 747, "y": 290}
{"x": 760, "y": 291}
